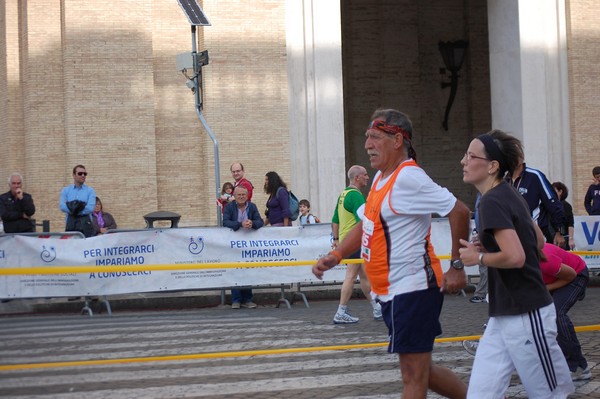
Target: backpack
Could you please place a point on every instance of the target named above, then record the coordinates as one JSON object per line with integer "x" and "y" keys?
{"x": 294, "y": 204}
{"x": 294, "y": 207}
{"x": 317, "y": 220}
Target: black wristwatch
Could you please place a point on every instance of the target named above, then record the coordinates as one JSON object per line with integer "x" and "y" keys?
{"x": 457, "y": 264}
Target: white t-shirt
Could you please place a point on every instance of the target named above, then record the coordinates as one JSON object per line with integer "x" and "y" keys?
{"x": 414, "y": 198}
{"x": 308, "y": 219}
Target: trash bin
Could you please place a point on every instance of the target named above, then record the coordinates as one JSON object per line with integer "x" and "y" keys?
{"x": 152, "y": 217}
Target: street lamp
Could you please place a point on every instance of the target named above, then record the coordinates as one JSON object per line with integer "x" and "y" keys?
{"x": 453, "y": 54}
{"x": 194, "y": 62}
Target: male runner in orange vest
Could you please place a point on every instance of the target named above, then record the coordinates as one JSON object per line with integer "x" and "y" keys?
{"x": 405, "y": 274}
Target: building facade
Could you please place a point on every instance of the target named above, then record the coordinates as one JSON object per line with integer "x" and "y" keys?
{"x": 289, "y": 87}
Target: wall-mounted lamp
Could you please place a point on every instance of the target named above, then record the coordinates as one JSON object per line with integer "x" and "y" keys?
{"x": 453, "y": 54}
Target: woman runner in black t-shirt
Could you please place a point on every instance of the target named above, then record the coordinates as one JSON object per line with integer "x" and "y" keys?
{"x": 521, "y": 332}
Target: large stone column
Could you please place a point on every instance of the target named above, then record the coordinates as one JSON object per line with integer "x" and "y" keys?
{"x": 41, "y": 66}
{"x": 11, "y": 94}
{"x": 528, "y": 74}
{"x": 316, "y": 117}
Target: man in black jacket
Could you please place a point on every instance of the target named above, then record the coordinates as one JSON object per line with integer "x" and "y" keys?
{"x": 16, "y": 207}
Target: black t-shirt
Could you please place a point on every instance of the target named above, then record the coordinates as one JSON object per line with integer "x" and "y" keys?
{"x": 519, "y": 290}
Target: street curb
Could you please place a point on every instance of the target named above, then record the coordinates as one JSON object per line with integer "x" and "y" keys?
{"x": 188, "y": 300}
{"x": 169, "y": 300}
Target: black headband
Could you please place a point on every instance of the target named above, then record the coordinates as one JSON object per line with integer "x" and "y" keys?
{"x": 493, "y": 151}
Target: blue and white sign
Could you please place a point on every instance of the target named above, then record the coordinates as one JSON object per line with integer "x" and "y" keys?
{"x": 193, "y": 246}
{"x": 185, "y": 246}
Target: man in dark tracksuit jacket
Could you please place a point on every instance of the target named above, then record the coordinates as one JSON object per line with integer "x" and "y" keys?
{"x": 592, "y": 196}
{"x": 542, "y": 200}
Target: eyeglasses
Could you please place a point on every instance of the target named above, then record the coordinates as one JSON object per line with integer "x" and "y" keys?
{"x": 81, "y": 173}
{"x": 469, "y": 157}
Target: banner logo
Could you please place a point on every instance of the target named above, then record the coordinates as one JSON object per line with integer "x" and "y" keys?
{"x": 48, "y": 255}
{"x": 196, "y": 246}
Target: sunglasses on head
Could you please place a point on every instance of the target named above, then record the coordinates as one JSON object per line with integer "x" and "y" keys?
{"x": 81, "y": 173}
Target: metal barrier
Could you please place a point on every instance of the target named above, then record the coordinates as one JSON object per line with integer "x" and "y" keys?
{"x": 54, "y": 234}
{"x": 302, "y": 295}
{"x": 112, "y": 231}
{"x": 45, "y": 225}
{"x": 87, "y": 308}
{"x": 282, "y": 287}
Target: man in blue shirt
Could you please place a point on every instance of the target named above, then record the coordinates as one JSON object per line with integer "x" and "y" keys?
{"x": 77, "y": 201}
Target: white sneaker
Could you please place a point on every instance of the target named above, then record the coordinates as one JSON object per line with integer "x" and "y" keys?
{"x": 470, "y": 346}
{"x": 581, "y": 374}
{"x": 377, "y": 312}
{"x": 344, "y": 318}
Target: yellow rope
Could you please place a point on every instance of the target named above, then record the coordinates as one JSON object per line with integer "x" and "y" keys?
{"x": 13, "y": 271}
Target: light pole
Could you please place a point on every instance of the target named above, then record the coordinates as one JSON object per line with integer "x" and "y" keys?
{"x": 195, "y": 61}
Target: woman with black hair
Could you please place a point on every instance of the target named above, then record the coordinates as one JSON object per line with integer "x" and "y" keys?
{"x": 568, "y": 229}
{"x": 521, "y": 333}
{"x": 278, "y": 206}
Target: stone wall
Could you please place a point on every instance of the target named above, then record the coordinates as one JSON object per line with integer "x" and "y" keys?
{"x": 584, "y": 85}
{"x": 391, "y": 60}
{"x": 96, "y": 84}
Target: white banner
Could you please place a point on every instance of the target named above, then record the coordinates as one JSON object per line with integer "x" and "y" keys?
{"x": 193, "y": 246}
{"x": 587, "y": 238}
{"x": 155, "y": 247}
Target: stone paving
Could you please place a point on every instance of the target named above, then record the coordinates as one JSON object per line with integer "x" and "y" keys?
{"x": 156, "y": 327}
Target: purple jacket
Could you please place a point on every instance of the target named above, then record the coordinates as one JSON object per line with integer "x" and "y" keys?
{"x": 278, "y": 207}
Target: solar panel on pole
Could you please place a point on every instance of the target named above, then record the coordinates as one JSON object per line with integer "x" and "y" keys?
{"x": 194, "y": 12}
{"x": 196, "y": 17}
